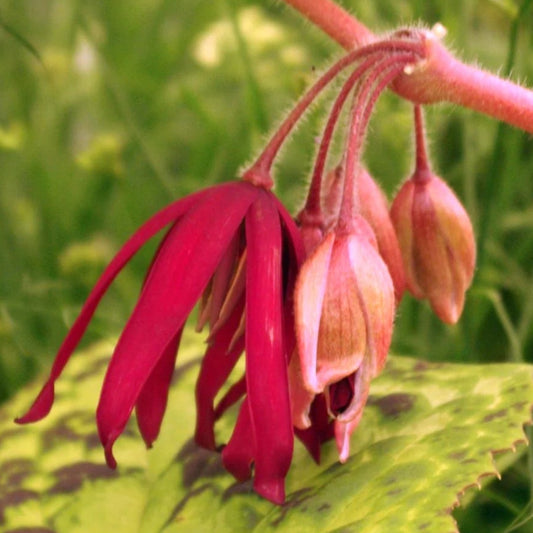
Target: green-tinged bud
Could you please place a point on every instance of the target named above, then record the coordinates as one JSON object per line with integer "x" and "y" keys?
{"x": 437, "y": 243}
{"x": 344, "y": 308}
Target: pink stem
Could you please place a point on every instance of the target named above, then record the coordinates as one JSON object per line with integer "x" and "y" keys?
{"x": 422, "y": 164}
{"x": 484, "y": 92}
{"x": 387, "y": 70}
{"x": 259, "y": 172}
{"x": 313, "y": 202}
{"x": 335, "y": 21}
{"x": 440, "y": 78}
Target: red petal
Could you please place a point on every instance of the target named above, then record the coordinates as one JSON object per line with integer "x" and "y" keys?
{"x": 232, "y": 396}
{"x": 180, "y": 273}
{"x": 266, "y": 367}
{"x": 217, "y": 365}
{"x": 43, "y": 403}
{"x": 321, "y": 429}
{"x": 239, "y": 453}
{"x": 292, "y": 231}
{"x": 152, "y": 401}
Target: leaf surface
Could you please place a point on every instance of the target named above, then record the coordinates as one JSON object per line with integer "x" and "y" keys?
{"x": 430, "y": 431}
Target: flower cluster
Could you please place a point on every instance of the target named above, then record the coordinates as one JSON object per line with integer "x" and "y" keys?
{"x": 309, "y": 301}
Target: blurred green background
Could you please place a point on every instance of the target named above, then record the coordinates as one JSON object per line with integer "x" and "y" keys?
{"x": 109, "y": 110}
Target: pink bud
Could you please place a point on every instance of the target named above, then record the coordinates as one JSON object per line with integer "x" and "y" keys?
{"x": 437, "y": 243}
{"x": 375, "y": 209}
{"x": 344, "y": 308}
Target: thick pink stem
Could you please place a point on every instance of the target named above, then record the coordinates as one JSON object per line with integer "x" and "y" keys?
{"x": 443, "y": 78}
{"x": 440, "y": 78}
{"x": 335, "y": 21}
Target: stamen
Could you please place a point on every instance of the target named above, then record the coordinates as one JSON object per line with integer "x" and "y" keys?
{"x": 233, "y": 295}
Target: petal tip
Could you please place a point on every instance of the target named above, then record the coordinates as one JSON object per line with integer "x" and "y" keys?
{"x": 40, "y": 407}
{"x": 271, "y": 489}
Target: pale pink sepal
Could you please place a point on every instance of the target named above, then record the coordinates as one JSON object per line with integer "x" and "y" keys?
{"x": 308, "y": 299}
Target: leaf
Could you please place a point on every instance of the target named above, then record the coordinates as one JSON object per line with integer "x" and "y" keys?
{"x": 429, "y": 433}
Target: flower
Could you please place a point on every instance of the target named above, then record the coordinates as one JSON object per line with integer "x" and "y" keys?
{"x": 344, "y": 310}
{"x": 437, "y": 243}
{"x": 231, "y": 234}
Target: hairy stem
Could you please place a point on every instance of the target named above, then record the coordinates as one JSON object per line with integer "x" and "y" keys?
{"x": 259, "y": 172}
{"x": 440, "y": 78}
{"x": 313, "y": 205}
{"x": 335, "y": 21}
{"x": 364, "y": 103}
{"x": 422, "y": 163}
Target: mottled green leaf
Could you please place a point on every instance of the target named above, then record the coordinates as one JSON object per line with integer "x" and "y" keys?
{"x": 429, "y": 433}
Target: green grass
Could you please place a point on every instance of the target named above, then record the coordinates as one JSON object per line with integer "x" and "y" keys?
{"x": 108, "y": 110}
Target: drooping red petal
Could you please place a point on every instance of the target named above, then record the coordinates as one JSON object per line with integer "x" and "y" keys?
{"x": 43, "y": 403}
{"x": 266, "y": 367}
{"x": 217, "y": 365}
{"x": 183, "y": 267}
{"x": 152, "y": 401}
{"x": 238, "y": 454}
{"x": 232, "y": 396}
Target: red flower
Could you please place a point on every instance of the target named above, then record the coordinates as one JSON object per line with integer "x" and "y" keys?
{"x": 210, "y": 232}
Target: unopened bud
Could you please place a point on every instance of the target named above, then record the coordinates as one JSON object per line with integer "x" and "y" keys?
{"x": 344, "y": 308}
{"x": 437, "y": 243}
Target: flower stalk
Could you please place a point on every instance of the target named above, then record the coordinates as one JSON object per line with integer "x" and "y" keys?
{"x": 440, "y": 78}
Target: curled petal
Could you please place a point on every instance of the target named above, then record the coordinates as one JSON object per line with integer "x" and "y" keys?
{"x": 217, "y": 365}
{"x": 219, "y": 285}
{"x": 183, "y": 267}
{"x": 233, "y": 295}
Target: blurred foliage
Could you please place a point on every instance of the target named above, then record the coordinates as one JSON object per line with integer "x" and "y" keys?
{"x": 109, "y": 110}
